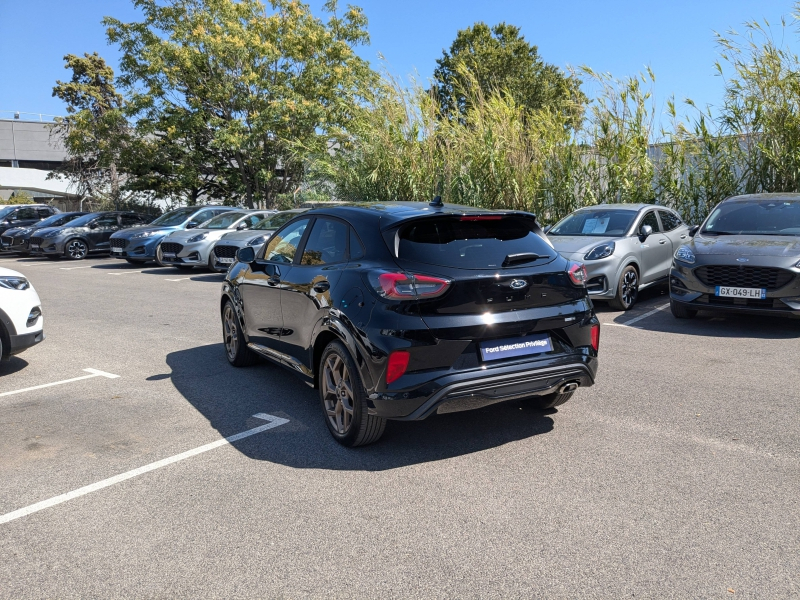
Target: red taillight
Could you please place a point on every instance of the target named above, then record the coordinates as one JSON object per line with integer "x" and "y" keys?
{"x": 403, "y": 286}
{"x": 596, "y": 337}
{"x": 397, "y": 365}
{"x": 482, "y": 218}
{"x": 577, "y": 273}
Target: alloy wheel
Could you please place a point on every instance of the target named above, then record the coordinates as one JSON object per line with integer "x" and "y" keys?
{"x": 337, "y": 393}
{"x": 76, "y": 249}
{"x": 630, "y": 287}
{"x": 231, "y": 331}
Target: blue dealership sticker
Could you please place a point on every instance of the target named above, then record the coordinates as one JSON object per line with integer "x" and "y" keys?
{"x": 530, "y": 344}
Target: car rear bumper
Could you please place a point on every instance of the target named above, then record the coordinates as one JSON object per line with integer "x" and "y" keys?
{"x": 466, "y": 391}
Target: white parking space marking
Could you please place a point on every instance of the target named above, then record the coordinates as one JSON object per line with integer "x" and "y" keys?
{"x": 272, "y": 422}
{"x": 645, "y": 315}
{"x": 181, "y": 279}
{"x": 94, "y": 373}
{"x": 73, "y": 268}
{"x": 126, "y": 272}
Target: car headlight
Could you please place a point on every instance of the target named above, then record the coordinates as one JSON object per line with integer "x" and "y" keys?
{"x": 601, "y": 251}
{"x": 14, "y": 283}
{"x": 24, "y": 231}
{"x": 52, "y": 234}
{"x": 143, "y": 234}
{"x": 197, "y": 238}
{"x": 798, "y": 265}
{"x": 257, "y": 240}
{"x": 685, "y": 254}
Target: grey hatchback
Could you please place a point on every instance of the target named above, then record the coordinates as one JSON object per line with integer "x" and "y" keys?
{"x": 624, "y": 247}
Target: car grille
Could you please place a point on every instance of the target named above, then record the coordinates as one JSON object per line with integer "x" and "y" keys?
{"x": 118, "y": 243}
{"x": 7, "y": 241}
{"x": 37, "y": 241}
{"x": 225, "y": 251}
{"x": 770, "y": 278}
{"x": 171, "y": 247}
{"x": 19, "y": 241}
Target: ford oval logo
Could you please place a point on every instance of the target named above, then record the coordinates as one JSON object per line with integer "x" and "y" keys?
{"x": 518, "y": 284}
{"x": 742, "y": 260}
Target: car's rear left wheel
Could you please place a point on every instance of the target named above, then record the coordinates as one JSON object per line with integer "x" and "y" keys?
{"x": 344, "y": 400}
{"x": 239, "y": 355}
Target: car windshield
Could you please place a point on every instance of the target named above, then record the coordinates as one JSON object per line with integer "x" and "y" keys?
{"x": 5, "y": 211}
{"x": 276, "y": 221}
{"x": 84, "y": 220}
{"x": 175, "y": 217}
{"x": 595, "y": 222}
{"x": 56, "y": 219}
{"x": 759, "y": 217}
{"x": 223, "y": 221}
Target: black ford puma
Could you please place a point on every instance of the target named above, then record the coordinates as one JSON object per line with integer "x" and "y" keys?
{"x": 400, "y": 310}
{"x": 744, "y": 258}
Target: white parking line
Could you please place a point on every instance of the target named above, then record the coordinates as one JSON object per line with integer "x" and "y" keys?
{"x": 126, "y": 272}
{"x": 645, "y": 315}
{"x": 94, "y": 373}
{"x": 181, "y": 279}
{"x": 73, "y": 268}
{"x": 24, "y": 512}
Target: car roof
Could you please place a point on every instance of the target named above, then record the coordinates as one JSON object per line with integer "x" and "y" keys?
{"x": 622, "y": 206}
{"x": 791, "y": 196}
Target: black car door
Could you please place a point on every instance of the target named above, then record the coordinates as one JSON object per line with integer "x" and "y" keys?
{"x": 260, "y": 286}
{"x": 100, "y": 231}
{"x": 307, "y": 286}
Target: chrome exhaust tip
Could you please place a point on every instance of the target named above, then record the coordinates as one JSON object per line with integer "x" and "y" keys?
{"x": 568, "y": 387}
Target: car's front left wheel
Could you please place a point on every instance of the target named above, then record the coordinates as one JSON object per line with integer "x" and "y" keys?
{"x": 239, "y": 355}
{"x": 344, "y": 399}
{"x": 627, "y": 289}
{"x": 76, "y": 249}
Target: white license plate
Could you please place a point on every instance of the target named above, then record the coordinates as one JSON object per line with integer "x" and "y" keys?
{"x": 225, "y": 261}
{"x": 169, "y": 255}
{"x": 740, "y": 292}
{"x": 34, "y": 246}
{"x": 117, "y": 250}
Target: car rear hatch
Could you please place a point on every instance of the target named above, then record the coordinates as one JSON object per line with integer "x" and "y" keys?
{"x": 504, "y": 282}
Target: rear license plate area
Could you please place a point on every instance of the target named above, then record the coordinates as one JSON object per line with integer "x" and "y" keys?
{"x": 537, "y": 343}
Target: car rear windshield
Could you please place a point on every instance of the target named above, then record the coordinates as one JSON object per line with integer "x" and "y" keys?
{"x": 276, "y": 221}
{"x": 472, "y": 242}
{"x": 595, "y": 222}
{"x": 764, "y": 217}
{"x": 175, "y": 217}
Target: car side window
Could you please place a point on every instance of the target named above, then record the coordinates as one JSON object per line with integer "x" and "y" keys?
{"x": 650, "y": 219}
{"x": 43, "y": 213}
{"x": 131, "y": 220}
{"x": 282, "y": 246}
{"x": 326, "y": 244}
{"x": 24, "y": 214}
{"x": 356, "y": 247}
{"x": 204, "y": 216}
{"x": 106, "y": 221}
{"x": 253, "y": 219}
{"x": 669, "y": 220}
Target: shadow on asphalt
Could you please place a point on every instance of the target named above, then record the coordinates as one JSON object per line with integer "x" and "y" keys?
{"x": 12, "y": 365}
{"x": 195, "y": 274}
{"x": 229, "y": 397}
{"x": 718, "y": 325}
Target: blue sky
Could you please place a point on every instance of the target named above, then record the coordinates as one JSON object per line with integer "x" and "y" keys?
{"x": 675, "y": 37}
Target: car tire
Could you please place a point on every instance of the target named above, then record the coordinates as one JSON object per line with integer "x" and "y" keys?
{"x": 627, "y": 289}
{"x": 159, "y": 256}
{"x": 679, "y": 311}
{"x": 76, "y": 249}
{"x": 344, "y": 399}
{"x": 550, "y": 400}
{"x": 239, "y": 355}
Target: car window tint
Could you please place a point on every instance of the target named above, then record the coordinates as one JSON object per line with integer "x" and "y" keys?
{"x": 283, "y": 246}
{"x": 253, "y": 219}
{"x": 470, "y": 242}
{"x": 106, "y": 221}
{"x": 326, "y": 244}
{"x": 595, "y": 222}
{"x": 650, "y": 219}
{"x": 43, "y": 213}
{"x": 669, "y": 220}
{"x": 25, "y": 214}
{"x": 203, "y": 216}
{"x": 356, "y": 247}
{"x": 131, "y": 220}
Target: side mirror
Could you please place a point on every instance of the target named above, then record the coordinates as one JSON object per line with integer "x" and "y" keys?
{"x": 693, "y": 230}
{"x": 645, "y": 231}
{"x": 192, "y": 224}
{"x": 547, "y": 228}
{"x": 241, "y": 226}
{"x": 246, "y": 254}
{"x": 92, "y": 225}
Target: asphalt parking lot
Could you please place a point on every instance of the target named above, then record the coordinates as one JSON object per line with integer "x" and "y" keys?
{"x": 676, "y": 475}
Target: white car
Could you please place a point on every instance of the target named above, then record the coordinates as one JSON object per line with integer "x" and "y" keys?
{"x": 21, "y": 320}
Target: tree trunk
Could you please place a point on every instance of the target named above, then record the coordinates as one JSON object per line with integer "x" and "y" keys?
{"x": 115, "y": 185}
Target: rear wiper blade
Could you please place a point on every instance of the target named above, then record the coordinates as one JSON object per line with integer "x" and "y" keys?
{"x": 521, "y": 258}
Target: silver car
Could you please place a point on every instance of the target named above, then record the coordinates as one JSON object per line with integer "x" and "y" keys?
{"x": 625, "y": 247}
{"x": 224, "y": 253}
{"x": 192, "y": 247}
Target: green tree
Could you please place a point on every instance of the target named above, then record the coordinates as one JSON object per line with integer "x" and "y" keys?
{"x": 499, "y": 58}
{"x": 96, "y": 132}
{"x": 266, "y": 87}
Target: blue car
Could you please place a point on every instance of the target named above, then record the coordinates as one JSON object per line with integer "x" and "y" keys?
{"x": 139, "y": 245}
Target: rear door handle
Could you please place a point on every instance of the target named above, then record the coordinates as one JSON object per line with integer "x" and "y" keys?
{"x": 322, "y": 286}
